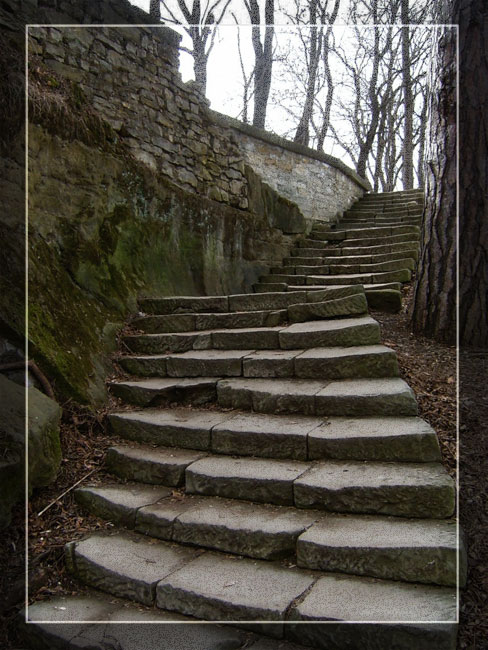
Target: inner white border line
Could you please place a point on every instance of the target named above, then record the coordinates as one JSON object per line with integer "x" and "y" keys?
{"x": 220, "y": 622}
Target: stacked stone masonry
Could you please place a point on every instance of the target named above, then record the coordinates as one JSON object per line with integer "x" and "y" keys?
{"x": 130, "y": 76}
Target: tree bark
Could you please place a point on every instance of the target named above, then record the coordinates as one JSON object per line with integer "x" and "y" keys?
{"x": 434, "y": 305}
{"x": 264, "y": 59}
{"x": 472, "y": 17}
{"x": 407, "y": 100}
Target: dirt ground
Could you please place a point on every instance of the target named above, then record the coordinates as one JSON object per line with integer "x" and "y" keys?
{"x": 431, "y": 370}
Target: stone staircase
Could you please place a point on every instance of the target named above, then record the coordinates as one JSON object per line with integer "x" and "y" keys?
{"x": 271, "y": 471}
{"x": 375, "y": 243}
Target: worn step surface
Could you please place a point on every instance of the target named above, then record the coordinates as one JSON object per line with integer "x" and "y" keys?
{"x": 412, "y": 550}
{"x": 400, "y": 489}
{"x": 51, "y": 627}
{"x": 212, "y": 586}
{"x": 326, "y": 363}
{"x": 383, "y": 547}
{"x": 385, "y": 396}
{"x": 271, "y": 436}
{"x": 345, "y": 331}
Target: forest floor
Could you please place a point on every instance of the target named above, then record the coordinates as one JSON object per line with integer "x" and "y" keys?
{"x": 430, "y": 369}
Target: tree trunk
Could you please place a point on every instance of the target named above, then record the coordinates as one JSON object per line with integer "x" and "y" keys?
{"x": 264, "y": 59}
{"x": 434, "y": 305}
{"x": 472, "y": 17}
{"x": 407, "y": 100}
{"x": 155, "y": 10}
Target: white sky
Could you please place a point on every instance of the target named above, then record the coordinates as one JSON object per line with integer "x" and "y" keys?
{"x": 224, "y": 81}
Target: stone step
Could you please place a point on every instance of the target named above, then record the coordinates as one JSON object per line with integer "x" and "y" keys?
{"x": 367, "y": 223}
{"x": 146, "y": 464}
{"x": 164, "y": 391}
{"x": 51, "y": 627}
{"x": 365, "y": 240}
{"x": 183, "y": 311}
{"x": 378, "y": 232}
{"x": 347, "y": 331}
{"x": 411, "y": 550}
{"x": 338, "y": 267}
{"x": 212, "y": 586}
{"x": 396, "y": 286}
{"x": 402, "y": 275}
{"x": 323, "y": 363}
{"x": 317, "y": 259}
{"x": 321, "y": 248}
{"x": 409, "y": 250}
{"x": 260, "y": 531}
{"x": 208, "y": 321}
{"x": 392, "y": 210}
{"x": 350, "y": 397}
{"x": 382, "y": 547}
{"x": 387, "y": 300}
{"x": 280, "y": 436}
{"x": 421, "y": 490}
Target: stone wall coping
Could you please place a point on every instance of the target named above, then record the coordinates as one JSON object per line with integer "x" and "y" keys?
{"x": 278, "y": 141}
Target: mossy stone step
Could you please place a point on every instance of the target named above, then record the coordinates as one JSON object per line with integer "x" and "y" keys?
{"x": 351, "y": 397}
{"x": 272, "y": 436}
{"x": 412, "y": 550}
{"x": 400, "y": 275}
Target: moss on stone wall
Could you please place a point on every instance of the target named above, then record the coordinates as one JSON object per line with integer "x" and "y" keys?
{"x": 104, "y": 230}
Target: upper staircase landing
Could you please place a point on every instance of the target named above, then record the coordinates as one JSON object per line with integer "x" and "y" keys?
{"x": 375, "y": 243}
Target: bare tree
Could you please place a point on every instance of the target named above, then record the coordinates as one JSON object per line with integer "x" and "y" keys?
{"x": 434, "y": 305}
{"x": 200, "y": 24}
{"x": 263, "y": 54}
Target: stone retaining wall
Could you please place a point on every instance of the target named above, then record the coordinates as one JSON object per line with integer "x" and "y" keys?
{"x": 321, "y": 185}
{"x": 130, "y": 75}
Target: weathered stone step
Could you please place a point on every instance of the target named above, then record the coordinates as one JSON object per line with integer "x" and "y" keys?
{"x": 386, "y": 396}
{"x": 400, "y": 275}
{"x": 363, "y": 242}
{"x": 321, "y": 248}
{"x": 211, "y": 586}
{"x": 367, "y": 222}
{"x": 189, "y": 310}
{"x": 383, "y": 296}
{"x": 317, "y": 260}
{"x": 337, "y": 266}
{"x": 378, "y": 232}
{"x": 197, "y": 322}
{"x": 391, "y": 210}
{"x": 272, "y": 436}
{"x": 165, "y": 391}
{"x": 422, "y": 490}
{"x": 412, "y": 550}
{"x": 323, "y": 363}
{"x": 110, "y": 630}
{"x": 346, "y": 331}
{"x": 381, "y": 547}
{"x": 146, "y": 464}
